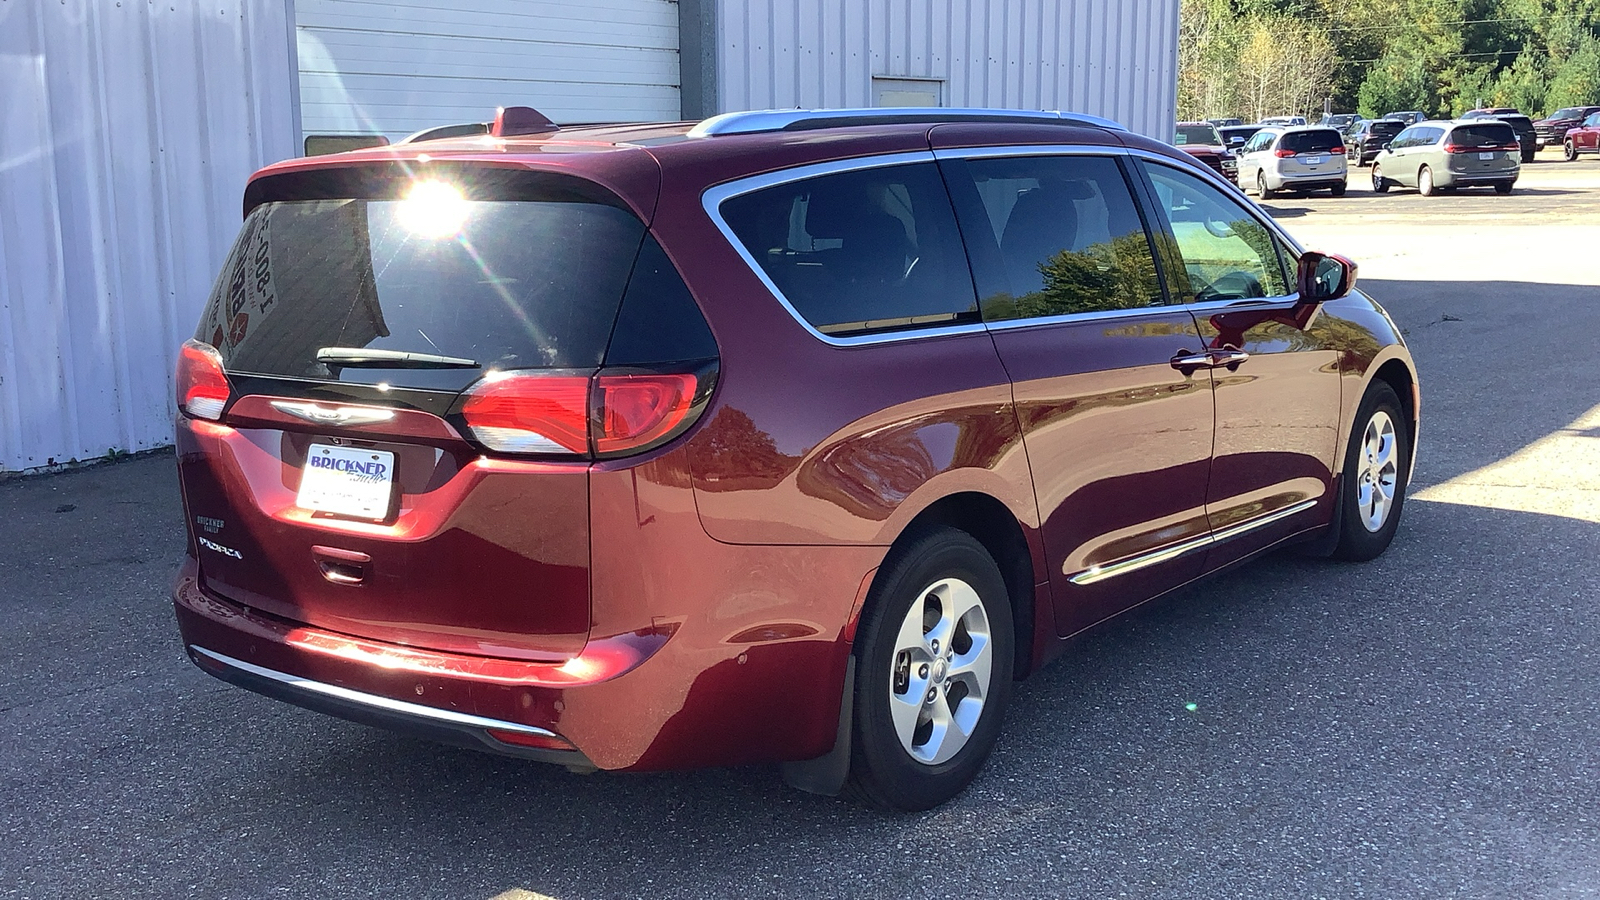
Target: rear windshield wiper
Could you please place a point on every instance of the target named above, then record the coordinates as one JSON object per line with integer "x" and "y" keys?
{"x": 390, "y": 359}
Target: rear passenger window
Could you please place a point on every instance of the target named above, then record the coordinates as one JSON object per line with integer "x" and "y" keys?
{"x": 1227, "y": 254}
{"x": 1069, "y": 236}
{"x": 860, "y": 252}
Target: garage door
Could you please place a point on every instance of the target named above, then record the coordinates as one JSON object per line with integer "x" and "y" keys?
{"x": 399, "y": 66}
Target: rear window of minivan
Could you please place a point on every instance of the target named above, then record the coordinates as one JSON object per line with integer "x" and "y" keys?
{"x": 531, "y": 282}
{"x": 1319, "y": 139}
{"x": 1486, "y": 134}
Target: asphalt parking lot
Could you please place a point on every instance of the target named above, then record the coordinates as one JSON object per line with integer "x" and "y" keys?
{"x": 1425, "y": 725}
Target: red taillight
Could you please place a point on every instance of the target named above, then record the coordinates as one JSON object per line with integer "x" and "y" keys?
{"x": 606, "y": 415}
{"x": 202, "y": 386}
{"x": 1283, "y": 154}
{"x": 1455, "y": 148}
{"x": 633, "y": 411}
{"x": 1337, "y": 148}
{"x": 530, "y": 413}
{"x": 1510, "y": 148}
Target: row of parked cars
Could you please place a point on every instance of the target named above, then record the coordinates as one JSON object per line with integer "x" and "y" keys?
{"x": 1482, "y": 148}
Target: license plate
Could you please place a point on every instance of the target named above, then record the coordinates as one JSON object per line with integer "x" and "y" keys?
{"x": 1486, "y": 156}
{"x": 1313, "y": 160}
{"x": 347, "y": 481}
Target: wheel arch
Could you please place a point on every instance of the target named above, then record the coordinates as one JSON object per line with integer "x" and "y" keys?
{"x": 1395, "y": 373}
{"x": 993, "y": 525}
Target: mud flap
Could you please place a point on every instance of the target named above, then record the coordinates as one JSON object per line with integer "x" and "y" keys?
{"x": 827, "y": 773}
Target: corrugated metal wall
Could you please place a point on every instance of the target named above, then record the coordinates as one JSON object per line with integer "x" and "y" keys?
{"x": 403, "y": 65}
{"x": 1115, "y": 58}
{"x": 127, "y": 130}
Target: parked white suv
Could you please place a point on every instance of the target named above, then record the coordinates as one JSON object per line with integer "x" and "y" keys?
{"x": 1305, "y": 158}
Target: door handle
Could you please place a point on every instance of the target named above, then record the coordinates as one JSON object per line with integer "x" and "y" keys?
{"x": 1187, "y": 362}
{"x": 1229, "y": 358}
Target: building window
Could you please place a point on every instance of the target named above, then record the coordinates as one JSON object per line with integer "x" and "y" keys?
{"x": 907, "y": 91}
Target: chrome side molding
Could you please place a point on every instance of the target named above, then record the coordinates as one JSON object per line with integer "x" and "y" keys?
{"x": 1133, "y": 564}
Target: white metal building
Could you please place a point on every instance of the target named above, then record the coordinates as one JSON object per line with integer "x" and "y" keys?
{"x": 127, "y": 131}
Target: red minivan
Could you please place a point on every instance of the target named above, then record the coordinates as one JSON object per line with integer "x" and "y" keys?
{"x": 789, "y": 436}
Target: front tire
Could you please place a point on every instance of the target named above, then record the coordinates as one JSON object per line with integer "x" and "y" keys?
{"x": 1377, "y": 469}
{"x": 933, "y": 672}
{"x": 1380, "y": 184}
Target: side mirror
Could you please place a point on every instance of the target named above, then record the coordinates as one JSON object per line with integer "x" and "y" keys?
{"x": 1322, "y": 277}
{"x": 1387, "y": 145}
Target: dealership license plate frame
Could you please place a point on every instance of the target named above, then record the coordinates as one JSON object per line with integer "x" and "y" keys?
{"x": 348, "y": 492}
{"x": 1489, "y": 155}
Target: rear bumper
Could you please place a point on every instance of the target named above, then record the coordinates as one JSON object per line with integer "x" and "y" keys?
{"x": 1308, "y": 182}
{"x": 429, "y": 723}
{"x": 701, "y": 654}
{"x": 1464, "y": 179}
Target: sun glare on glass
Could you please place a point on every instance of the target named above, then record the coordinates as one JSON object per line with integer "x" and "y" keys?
{"x": 433, "y": 209}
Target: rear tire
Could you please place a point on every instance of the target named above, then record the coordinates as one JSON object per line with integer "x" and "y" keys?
{"x": 1425, "y": 182}
{"x": 1569, "y": 151}
{"x": 1377, "y": 469}
{"x": 1380, "y": 184}
{"x": 1338, "y": 189}
{"x": 1262, "y": 190}
{"x": 1528, "y": 155}
{"x": 933, "y": 672}
{"x": 1503, "y": 188}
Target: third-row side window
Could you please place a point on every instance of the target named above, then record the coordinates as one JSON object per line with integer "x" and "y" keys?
{"x": 861, "y": 252}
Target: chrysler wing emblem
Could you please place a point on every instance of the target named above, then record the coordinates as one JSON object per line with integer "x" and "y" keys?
{"x": 334, "y": 415}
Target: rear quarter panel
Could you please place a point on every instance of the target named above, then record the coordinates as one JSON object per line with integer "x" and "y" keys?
{"x": 810, "y": 443}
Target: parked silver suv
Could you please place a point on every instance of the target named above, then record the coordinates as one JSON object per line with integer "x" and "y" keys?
{"x": 1305, "y": 158}
{"x": 1442, "y": 156}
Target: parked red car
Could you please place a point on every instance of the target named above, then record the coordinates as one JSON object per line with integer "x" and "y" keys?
{"x": 781, "y": 437}
{"x": 1584, "y": 138}
{"x": 1202, "y": 141}
{"x": 1552, "y": 130}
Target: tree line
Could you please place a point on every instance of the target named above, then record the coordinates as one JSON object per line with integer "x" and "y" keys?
{"x": 1257, "y": 58}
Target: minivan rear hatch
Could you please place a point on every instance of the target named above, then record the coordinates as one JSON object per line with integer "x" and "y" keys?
{"x": 411, "y": 355}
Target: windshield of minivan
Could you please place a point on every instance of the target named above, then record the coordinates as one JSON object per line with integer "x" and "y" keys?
{"x": 1197, "y": 134}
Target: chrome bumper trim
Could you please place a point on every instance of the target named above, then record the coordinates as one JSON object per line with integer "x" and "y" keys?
{"x": 372, "y": 701}
{"x": 1135, "y": 563}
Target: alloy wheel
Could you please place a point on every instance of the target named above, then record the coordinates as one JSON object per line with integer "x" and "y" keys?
{"x": 1377, "y": 472}
{"x": 942, "y": 665}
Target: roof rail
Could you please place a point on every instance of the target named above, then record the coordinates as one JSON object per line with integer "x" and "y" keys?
{"x": 756, "y": 121}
